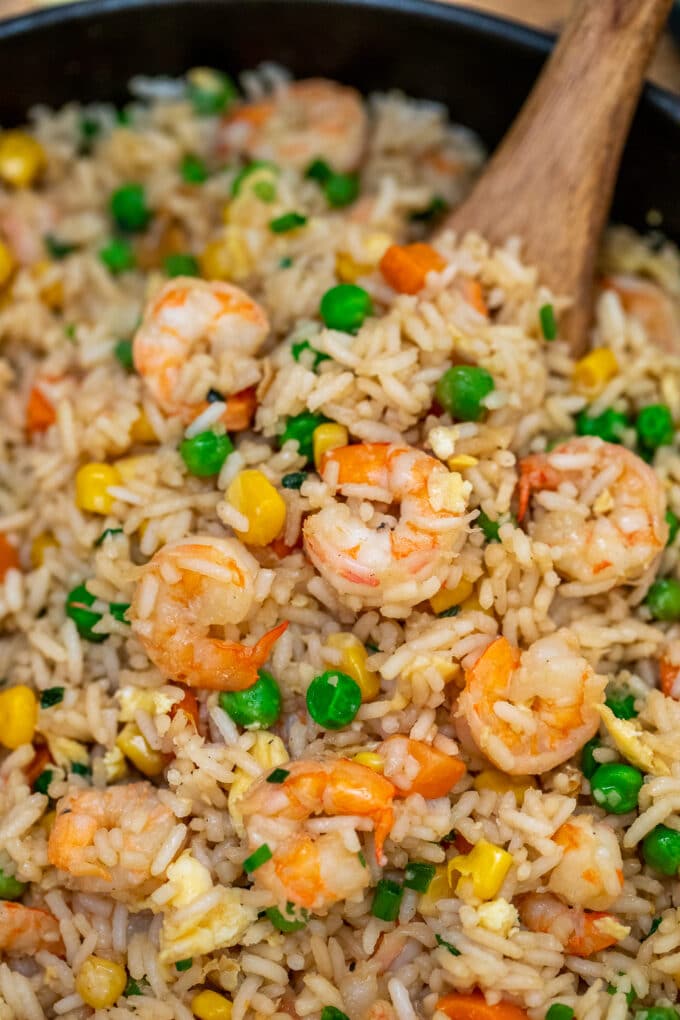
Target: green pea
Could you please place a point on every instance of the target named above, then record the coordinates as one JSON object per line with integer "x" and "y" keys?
{"x": 616, "y": 787}
{"x": 623, "y": 706}
{"x": 661, "y": 850}
{"x": 209, "y": 91}
{"x": 663, "y": 599}
{"x": 654, "y": 427}
{"x": 10, "y": 888}
{"x": 193, "y": 169}
{"x": 461, "y": 390}
{"x": 333, "y": 699}
{"x": 673, "y": 522}
{"x": 657, "y": 1013}
{"x": 205, "y": 453}
{"x": 300, "y": 427}
{"x": 289, "y": 221}
{"x": 589, "y": 764}
{"x": 559, "y": 1011}
{"x": 345, "y": 307}
{"x": 341, "y": 189}
{"x": 128, "y": 207}
{"x": 118, "y": 256}
{"x": 318, "y": 170}
{"x": 610, "y": 425}
{"x": 181, "y": 264}
{"x": 257, "y": 707}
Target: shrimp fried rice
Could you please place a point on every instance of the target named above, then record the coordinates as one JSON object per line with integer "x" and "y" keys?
{"x": 340, "y": 604}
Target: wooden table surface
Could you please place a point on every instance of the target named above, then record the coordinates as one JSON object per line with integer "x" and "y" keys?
{"x": 542, "y": 13}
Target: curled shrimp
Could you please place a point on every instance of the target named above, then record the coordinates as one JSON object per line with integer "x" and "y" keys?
{"x": 386, "y": 561}
{"x": 651, "y": 306}
{"x": 28, "y": 930}
{"x": 530, "y": 711}
{"x": 669, "y": 669}
{"x": 606, "y": 521}
{"x": 138, "y": 825}
{"x": 590, "y": 873}
{"x": 183, "y": 593}
{"x": 581, "y": 932}
{"x": 315, "y": 861}
{"x": 190, "y": 328}
{"x": 299, "y": 123}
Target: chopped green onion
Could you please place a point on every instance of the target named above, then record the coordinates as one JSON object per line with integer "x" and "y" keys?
{"x": 278, "y": 776}
{"x": 370, "y": 647}
{"x": 70, "y": 330}
{"x": 210, "y": 91}
{"x": 10, "y": 887}
{"x": 193, "y": 169}
{"x": 128, "y": 207}
{"x": 58, "y": 249}
{"x": 118, "y": 255}
{"x": 332, "y": 1013}
{"x": 318, "y": 170}
{"x": 654, "y": 427}
{"x": 610, "y": 425}
{"x": 107, "y": 534}
{"x": 118, "y": 611}
{"x": 287, "y": 222}
{"x": 448, "y": 613}
{"x": 123, "y": 353}
{"x": 300, "y": 427}
{"x": 181, "y": 264}
{"x": 286, "y": 262}
{"x": 257, "y": 858}
{"x": 362, "y": 859}
{"x": 78, "y": 769}
{"x": 214, "y": 397}
{"x": 654, "y": 926}
{"x": 333, "y": 699}
{"x": 52, "y": 696}
{"x": 630, "y": 995}
{"x": 301, "y": 346}
{"x": 623, "y": 707}
{"x": 546, "y": 314}
{"x": 135, "y": 987}
{"x": 182, "y": 965}
{"x": 588, "y": 762}
{"x": 284, "y": 924}
{"x": 418, "y": 875}
{"x": 673, "y": 522}
{"x": 446, "y": 945}
{"x": 658, "y": 1013}
{"x": 387, "y": 900}
{"x": 248, "y": 171}
{"x": 489, "y": 528}
{"x": 77, "y": 602}
{"x": 264, "y": 190}
{"x": 432, "y": 212}
{"x": 558, "y": 1011}
{"x": 43, "y": 781}
{"x": 294, "y": 480}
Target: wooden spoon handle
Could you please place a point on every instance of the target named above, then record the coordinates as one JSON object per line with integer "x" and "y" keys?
{"x": 551, "y": 180}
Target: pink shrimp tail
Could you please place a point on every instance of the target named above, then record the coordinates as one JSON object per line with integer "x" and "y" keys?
{"x": 240, "y": 663}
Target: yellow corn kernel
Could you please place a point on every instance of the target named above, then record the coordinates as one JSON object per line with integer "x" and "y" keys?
{"x": 47, "y": 821}
{"x": 353, "y": 662}
{"x": 486, "y": 865}
{"x": 473, "y": 605}
{"x": 51, "y": 293}
{"x": 593, "y": 372}
{"x": 348, "y": 269}
{"x": 209, "y": 1005}
{"x": 92, "y": 487}
{"x": 438, "y": 889}
{"x": 7, "y": 264}
{"x": 227, "y": 258}
{"x": 134, "y": 746}
{"x": 446, "y": 598}
{"x": 461, "y": 461}
{"x": 490, "y": 779}
{"x": 21, "y": 158}
{"x": 100, "y": 982}
{"x": 131, "y": 467}
{"x": 371, "y": 760}
{"x": 141, "y": 430}
{"x": 268, "y": 751}
{"x": 39, "y": 546}
{"x": 375, "y": 245}
{"x": 254, "y": 496}
{"x": 328, "y": 436}
{"x": 115, "y": 767}
{"x": 18, "y": 716}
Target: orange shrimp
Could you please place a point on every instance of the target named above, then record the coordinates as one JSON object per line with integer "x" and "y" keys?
{"x": 25, "y": 931}
{"x": 189, "y": 319}
{"x": 299, "y": 123}
{"x": 590, "y": 873}
{"x": 609, "y": 527}
{"x": 669, "y": 670}
{"x": 380, "y": 562}
{"x": 314, "y": 862}
{"x": 530, "y": 711}
{"x": 581, "y": 932}
{"x": 186, "y": 590}
{"x": 651, "y": 306}
{"x": 437, "y": 772}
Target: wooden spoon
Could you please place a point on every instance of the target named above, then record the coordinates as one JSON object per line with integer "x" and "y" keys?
{"x": 551, "y": 180}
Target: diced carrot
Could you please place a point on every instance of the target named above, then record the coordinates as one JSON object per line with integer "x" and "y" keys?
{"x": 438, "y": 772}
{"x": 240, "y": 410}
{"x": 39, "y": 412}
{"x": 473, "y": 294}
{"x": 406, "y": 266}
{"x": 188, "y": 705}
{"x": 473, "y": 1006}
{"x": 669, "y": 672}
{"x": 9, "y": 557}
{"x": 41, "y": 759}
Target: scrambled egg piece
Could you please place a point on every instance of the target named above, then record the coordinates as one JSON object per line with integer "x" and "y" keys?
{"x": 218, "y": 927}
{"x": 268, "y": 751}
{"x": 498, "y": 916}
{"x": 608, "y": 925}
{"x": 635, "y": 744}
{"x": 448, "y": 491}
{"x": 448, "y": 671}
{"x": 64, "y": 751}
{"x": 115, "y": 764}
{"x": 135, "y": 699}
{"x": 443, "y": 439}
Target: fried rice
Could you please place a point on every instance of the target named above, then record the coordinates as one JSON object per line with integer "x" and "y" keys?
{"x": 156, "y": 826}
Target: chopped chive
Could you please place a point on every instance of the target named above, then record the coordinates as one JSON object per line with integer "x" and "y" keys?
{"x": 333, "y": 1013}
{"x": 652, "y": 928}
{"x": 294, "y": 480}
{"x": 118, "y": 611}
{"x": 181, "y": 264}
{"x": 107, "y": 534}
{"x": 286, "y": 262}
{"x": 278, "y": 776}
{"x": 546, "y": 314}
{"x": 489, "y": 528}
{"x": 135, "y": 987}
{"x": 418, "y": 875}
{"x": 295, "y": 922}
{"x": 301, "y": 346}
{"x": 79, "y": 769}
{"x": 318, "y": 170}
{"x": 289, "y": 221}
{"x": 52, "y": 696}
{"x": 184, "y": 964}
{"x": 58, "y": 249}
{"x": 451, "y": 611}
{"x": 387, "y": 900}
{"x": 447, "y": 945}
{"x": 123, "y": 353}
{"x": 43, "y": 781}
{"x": 193, "y": 169}
{"x": 257, "y": 858}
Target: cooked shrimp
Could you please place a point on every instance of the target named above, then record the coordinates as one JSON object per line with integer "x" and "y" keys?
{"x": 25, "y": 219}
{"x": 669, "y": 669}
{"x": 183, "y": 593}
{"x": 299, "y": 123}
{"x": 581, "y": 932}
{"x": 530, "y": 711}
{"x": 382, "y": 563}
{"x": 316, "y": 862}
{"x": 651, "y": 306}
{"x": 590, "y": 873}
{"x": 107, "y": 839}
{"x": 28, "y": 930}
{"x": 606, "y": 524}
{"x": 192, "y": 320}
